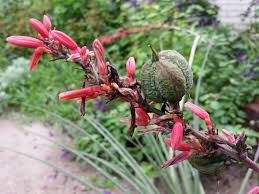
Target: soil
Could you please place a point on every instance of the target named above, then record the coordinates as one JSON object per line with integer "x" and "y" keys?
{"x": 22, "y": 175}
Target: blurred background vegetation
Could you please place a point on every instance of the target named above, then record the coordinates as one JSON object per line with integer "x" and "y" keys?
{"x": 228, "y": 80}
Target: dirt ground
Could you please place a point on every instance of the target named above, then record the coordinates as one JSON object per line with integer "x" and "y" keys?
{"x": 21, "y": 175}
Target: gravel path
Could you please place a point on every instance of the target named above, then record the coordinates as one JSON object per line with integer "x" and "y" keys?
{"x": 21, "y": 175}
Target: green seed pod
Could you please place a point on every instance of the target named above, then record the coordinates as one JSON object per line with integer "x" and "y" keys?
{"x": 208, "y": 164}
{"x": 167, "y": 77}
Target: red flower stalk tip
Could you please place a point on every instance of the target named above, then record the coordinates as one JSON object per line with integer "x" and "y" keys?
{"x": 35, "y": 58}
{"x": 202, "y": 114}
{"x": 179, "y": 158}
{"x": 197, "y": 110}
{"x": 24, "y": 41}
{"x": 101, "y": 63}
{"x": 89, "y": 92}
{"x": 64, "y": 39}
{"x": 39, "y": 27}
{"x": 142, "y": 117}
{"x": 47, "y": 22}
{"x": 231, "y": 138}
{"x": 131, "y": 68}
{"x": 177, "y": 135}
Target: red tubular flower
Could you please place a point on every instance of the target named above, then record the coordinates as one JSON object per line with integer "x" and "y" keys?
{"x": 177, "y": 135}
{"x": 131, "y": 68}
{"x": 181, "y": 147}
{"x": 24, "y": 41}
{"x": 47, "y": 22}
{"x": 231, "y": 138}
{"x": 142, "y": 117}
{"x": 64, "y": 39}
{"x": 101, "y": 63}
{"x": 89, "y": 92}
{"x": 38, "y": 52}
{"x": 179, "y": 158}
{"x": 199, "y": 112}
{"x": 202, "y": 114}
{"x": 39, "y": 27}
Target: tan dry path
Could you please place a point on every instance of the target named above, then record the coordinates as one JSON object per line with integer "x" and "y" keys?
{"x": 21, "y": 175}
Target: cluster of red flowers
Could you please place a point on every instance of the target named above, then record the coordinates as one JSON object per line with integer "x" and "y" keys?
{"x": 193, "y": 145}
{"x": 102, "y": 79}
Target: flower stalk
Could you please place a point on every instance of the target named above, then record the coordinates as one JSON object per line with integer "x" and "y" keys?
{"x": 102, "y": 79}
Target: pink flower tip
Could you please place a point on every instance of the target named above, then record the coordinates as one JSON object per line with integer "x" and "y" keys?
{"x": 254, "y": 190}
{"x": 47, "y": 22}
{"x": 24, "y": 41}
{"x": 39, "y": 27}
{"x": 202, "y": 114}
{"x": 231, "y": 138}
{"x": 64, "y": 39}
{"x": 131, "y": 68}
{"x": 89, "y": 92}
{"x": 38, "y": 52}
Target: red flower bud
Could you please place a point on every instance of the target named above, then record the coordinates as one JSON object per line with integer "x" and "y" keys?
{"x": 142, "y": 117}
{"x": 181, "y": 147}
{"x": 47, "y": 22}
{"x": 131, "y": 68}
{"x": 178, "y": 158}
{"x": 89, "y": 92}
{"x": 35, "y": 58}
{"x": 177, "y": 135}
{"x": 202, "y": 114}
{"x": 97, "y": 45}
{"x": 24, "y": 41}
{"x": 84, "y": 53}
{"x": 199, "y": 112}
{"x": 101, "y": 63}
{"x": 64, "y": 39}
{"x": 39, "y": 27}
